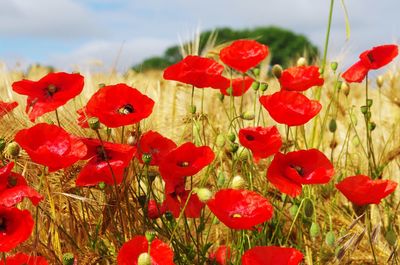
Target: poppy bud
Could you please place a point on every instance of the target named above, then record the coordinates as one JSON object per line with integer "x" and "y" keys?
{"x": 169, "y": 216}
{"x": 330, "y": 239}
{"x": 379, "y": 81}
{"x": 364, "y": 110}
{"x": 131, "y": 140}
{"x": 308, "y": 208}
{"x": 301, "y": 61}
{"x": 2, "y": 144}
{"x": 371, "y": 126}
{"x": 243, "y": 153}
{"x": 256, "y": 71}
{"x": 369, "y": 102}
{"x": 314, "y": 230}
{"x": 144, "y": 259}
{"x": 334, "y": 66}
{"x": 204, "y": 194}
{"x": 146, "y": 158}
{"x": 150, "y": 235}
{"x": 221, "y": 179}
{"x": 332, "y": 126}
{"x": 94, "y": 123}
{"x": 220, "y": 141}
{"x": 231, "y": 137}
{"x": 248, "y": 116}
{"x": 345, "y": 88}
{"x": 101, "y": 85}
{"x": 238, "y": 183}
{"x": 192, "y": 109}
{"x": 277, "y": 70}
{"x": 255, "y": 85}
{"x": 221, "y": 97}
{"x": 356, "y": 141}
{"x": 13, "y": 149}
{"x": 233, "y": 147}
{"x": 391, "y": 237}
{"x": 68, "y": 258}
{"x": 293, "y": 210}
{"x": 263, "y": 87}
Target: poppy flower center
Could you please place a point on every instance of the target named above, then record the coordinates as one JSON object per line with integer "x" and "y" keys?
{"x": 236, "y": 215}
{"x": 250, "y": 137}
{"x": 299, "y": 169}
{"x": 11, "y": 182}
{"x": 2, "y": 224}
{"x": 126, "y": 109}
{"x": 370, "y": 57}
{"x": 51, "y": 90}
{"x": 182, "y": 164}
{"x": 101, "y": 154}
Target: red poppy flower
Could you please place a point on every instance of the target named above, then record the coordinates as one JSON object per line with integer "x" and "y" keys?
{"x": 362, "y": 190}
{"x": 242, "y": 55}
{"x": 13, "y": 188}
{"x": 221, "y": 255}
{"x": 97, "y": 169}
{"x": 372, "y": 59}
{"x": 263, "y": 142}
{"x": 272, "y": 255}
{"x": 117, "y": 105}
{"x": 160, "y": 252}
{"x": 290, "y": 107}
{"x": 185, "y": 160}
{"x": 24, "y": 259}
{"x": 288, "y": 172}
{"x": 51, "y": 146}
{"x": 155, "y": 210}
{"x": 240, "y": 209}
{"x": 175, "y": 202}
{"x": 239, "y": 86}
{"x": 154, "y": 144}
{"x": 49, "y": 93}
{"x": 15, "y": 227}
{"x": 300, "y": 78}
{"x": 197, "y": 71}
{"x": 6, "y": 107}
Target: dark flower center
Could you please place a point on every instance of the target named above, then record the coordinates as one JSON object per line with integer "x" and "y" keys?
{"x": 126, "y": 109}
{"x": 51, "y": 90}
{"x": 102, "y": 154}
{"x": 11, "y": 182}
{"x": 2, "y": 224}
{"x": 250, "y": 137}
{"x": 182, "y": 164}
{"x": 299, "y": 169}
{"x": 370, "y": 58}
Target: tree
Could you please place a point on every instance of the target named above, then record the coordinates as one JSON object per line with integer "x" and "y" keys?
{"x": 284, "y": 45}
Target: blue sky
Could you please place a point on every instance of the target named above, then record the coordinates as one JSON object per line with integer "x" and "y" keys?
{"x": 65, "y": 33}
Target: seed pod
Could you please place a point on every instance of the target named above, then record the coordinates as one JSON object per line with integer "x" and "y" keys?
{"x": 369, "y": 102}
{"x": 238, "y": 182}
{"x": 68, "y": 258}
{"x": 255, "y": 85}
{"x": 220, "y": 140}
{"x": 308, "y": 208}
{"x": 293, "y": 210}
{"x": 13, "y": 149}
{"x": 371, "y": 126}
{"x": 332, "y": 126}
{"x": 379, "y": 81}
{"x": 144, "y": 259}
{"x": 94, "y": 123}
{"x": 364, "y": 110}
{"x": 231, "y": 137}
{"x": 247, "y": 115}
{"x": 150, "y": 235}
{"x": 204, "y": 194}
{"x": 330, "y": 239}
{"x": 263, "y": 86}
{"x": 233, "y": 147}
{"x": 314, "y": 230}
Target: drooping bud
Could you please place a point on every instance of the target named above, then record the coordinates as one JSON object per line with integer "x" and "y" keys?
{"x": 334, "y": 66}
{"x": 301, "y": 61}
{"x": 13, "y": 149}
{"x": 204, "y": 194}
{"x": 247, "y": 115}
{"x": 332, "y": 126}
{"x": 379, "y": 81}
{"x": 345, "y": 88}
{"x": 238, "y": 182}
{"x": 220, "y": 141}
{"x": 277, "y": 70}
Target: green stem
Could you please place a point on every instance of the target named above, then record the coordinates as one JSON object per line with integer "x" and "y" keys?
{"x": 328, "y": 31}
{"x": 58, "y": 119}
{"x": 369, "y": 229}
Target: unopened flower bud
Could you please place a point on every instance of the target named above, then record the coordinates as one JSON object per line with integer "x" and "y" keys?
{"x": 330, "y": 239}
{"x": 204, "y": 194}
{"x": 263, "y": 86}
{"x": 379, "y": 81}
{"x": 314, "y": 230}
{"x": 256, "y": 71}
{"x": 243, "y": 153}
{"x": 233, "y": 147}
{"x": 144, "y": 259}
{"x": 255, "y": 85}
{"x": 94, "y": 123}
{"x": 220, "y": 141}
{"x": 364, "y": 110}
{"x": 150, "y": 235}
{"x": 369, "y": 102}
{"x": 238, "y": 183}
{"x": 2, "y": 144}
{"x": 231, "y": 137}
{"x": 248, "y": 116}
{"x": 102, "y": 185}
{"x": 345, "y": 88}
{"x": 192, "y": 109}
{"x": 13, "y": 149}
{"x": 332, "y": 126}
{"x": 277, "y": 70}
{"x": 372, "y": 126}
{"x": 334, "y": 66}
{"x": 221, "y": 179}
{"x": 301, "y": 61}
{"x": 68, "y": 258}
